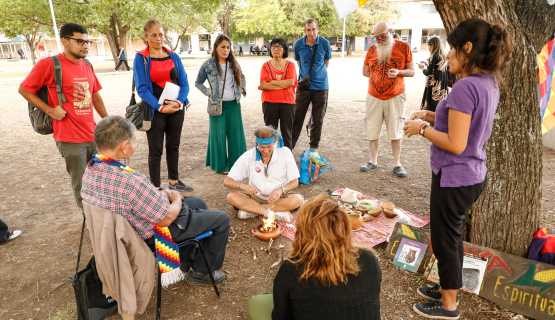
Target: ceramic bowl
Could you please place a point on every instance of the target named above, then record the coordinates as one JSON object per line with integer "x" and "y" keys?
{"x": 387, "y": 205}
{"x": 389, "y": 213}
{"x": 362, "y": 210}
{"x": 267, "y": 235}
{"x": 356, "y": 221}
{"x": 375, "y": 212}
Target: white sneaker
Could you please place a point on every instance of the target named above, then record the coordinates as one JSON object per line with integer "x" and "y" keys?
{"x": 284, "y": 216}
{"x": 15, "y": 234}
{"x": 242, "y": 214}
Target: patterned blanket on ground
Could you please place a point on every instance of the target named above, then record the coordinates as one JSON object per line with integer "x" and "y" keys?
{"x": 372, "y": 232}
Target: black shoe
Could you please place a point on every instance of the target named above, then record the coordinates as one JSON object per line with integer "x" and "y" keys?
{"x": 434, "y": 310}
{"x": 400, "y": 172}
{"x": 203, "y": 279}
{"x": 368, "y": 166}
{"x": 431, "y": 293}
{"x": 185, "y": 267}
{"x": 180, "y": 186}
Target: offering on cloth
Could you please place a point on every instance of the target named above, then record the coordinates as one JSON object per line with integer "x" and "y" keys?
{"x": 356, "y": 221}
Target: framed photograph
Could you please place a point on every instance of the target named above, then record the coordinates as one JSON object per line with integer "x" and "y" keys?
{"x": 410, "y": 254}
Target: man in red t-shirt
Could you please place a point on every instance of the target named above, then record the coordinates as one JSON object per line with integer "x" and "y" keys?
{"x": 387, "y": 63}
{"x": 74, "y": 122}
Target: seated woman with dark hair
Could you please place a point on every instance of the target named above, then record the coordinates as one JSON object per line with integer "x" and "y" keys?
{"x": 326, "y": 276}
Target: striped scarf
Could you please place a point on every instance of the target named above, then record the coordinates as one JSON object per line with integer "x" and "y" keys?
{"x": 167, "y": 253}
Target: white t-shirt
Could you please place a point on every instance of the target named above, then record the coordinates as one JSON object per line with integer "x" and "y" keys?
{"x": 229, "y": 93}
{"x": 281, "y": 170}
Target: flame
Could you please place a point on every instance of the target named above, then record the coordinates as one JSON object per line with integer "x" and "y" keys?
{"x": 269, "y": 223}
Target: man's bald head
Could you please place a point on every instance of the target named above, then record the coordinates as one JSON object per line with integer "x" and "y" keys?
{"x": 381, "y": 27}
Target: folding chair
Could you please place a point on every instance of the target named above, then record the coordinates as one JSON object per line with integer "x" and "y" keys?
{"x": 185, "y": 242}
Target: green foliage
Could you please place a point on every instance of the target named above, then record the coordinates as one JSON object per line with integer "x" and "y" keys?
{"x": 285, "y": 18}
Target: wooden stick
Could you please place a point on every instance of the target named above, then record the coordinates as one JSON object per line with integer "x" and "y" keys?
{"x": 61, "y": 284}
{"x": 270, "y": 246}
{"x": 36, "y": 313}
{"x": 38, "y": 299}
{"x": 253, "y": 254}
{"x": 280, "y": 259}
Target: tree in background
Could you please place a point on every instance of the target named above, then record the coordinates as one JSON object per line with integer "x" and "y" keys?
{"x": 507, "y": 214}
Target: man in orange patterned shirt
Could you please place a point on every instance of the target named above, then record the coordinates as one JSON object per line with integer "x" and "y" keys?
{"x": 387, "y": 63}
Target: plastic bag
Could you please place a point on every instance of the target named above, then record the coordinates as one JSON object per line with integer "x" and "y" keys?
{"x": 307, "y": 177}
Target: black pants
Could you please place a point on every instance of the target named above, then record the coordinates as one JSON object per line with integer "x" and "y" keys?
{"x": 448, "y": 211}
{"x": 123, "y": 61}
{"x": 4, "y": 235}
{"x": 282, "y": 113}
{"x": 171, "y": 125}
{"x": 194, "y": 219}
{"x": 303, "y": 98}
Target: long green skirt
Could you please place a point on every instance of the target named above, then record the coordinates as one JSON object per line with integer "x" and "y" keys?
{"x": 226, "y": 138}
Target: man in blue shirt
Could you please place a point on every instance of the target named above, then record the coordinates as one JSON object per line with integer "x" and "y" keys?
{"x": 317, "y": 93}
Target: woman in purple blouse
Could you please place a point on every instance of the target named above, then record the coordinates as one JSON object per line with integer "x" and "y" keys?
{"x": 458, "y": 130}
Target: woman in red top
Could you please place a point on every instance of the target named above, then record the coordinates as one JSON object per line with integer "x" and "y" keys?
{"x": 278, "y": 80}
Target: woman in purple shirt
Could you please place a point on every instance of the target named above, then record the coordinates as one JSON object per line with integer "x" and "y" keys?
{"x": 458, "y": 130}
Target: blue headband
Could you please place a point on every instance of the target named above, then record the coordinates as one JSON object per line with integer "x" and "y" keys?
{"x": 265, "y": 142}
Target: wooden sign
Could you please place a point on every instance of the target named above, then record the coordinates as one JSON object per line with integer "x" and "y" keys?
{"x": 518, "y": 284}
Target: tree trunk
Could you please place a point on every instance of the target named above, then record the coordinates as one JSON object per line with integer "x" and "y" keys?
{"x": 351, "y": 44}
{"x": 116, "y": 34}
{"x": 506, "y": 215}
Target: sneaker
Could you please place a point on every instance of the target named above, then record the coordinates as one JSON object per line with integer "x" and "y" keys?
{"x": 400, "y": 172}
{"x": 180, "y": 186}
{"x": 434, "y": 310}
{"x": 285, "y": 216}
{"x": 431, "y": 293}
{"x": 368, "y": 166}
{"x": 14, "y": 234}
{"x": 203, "y": 279}
{"x": 242, "y": 214}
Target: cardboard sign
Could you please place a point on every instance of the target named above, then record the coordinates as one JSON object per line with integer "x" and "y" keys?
{"x": 518, "y": 284}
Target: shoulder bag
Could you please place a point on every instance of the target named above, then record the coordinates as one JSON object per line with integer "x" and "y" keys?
{"x": 140, "y": 113}
{"x": 92, "y": 304}
{"x": 304, "y": 83}
{"x": 215, "y": 108}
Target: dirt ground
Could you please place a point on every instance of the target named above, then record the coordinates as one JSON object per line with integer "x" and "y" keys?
{"x": 36, "y": 197}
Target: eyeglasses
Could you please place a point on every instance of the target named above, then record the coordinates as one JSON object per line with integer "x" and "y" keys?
{"x": 381, "y": 35}
{"x": 277, "y": 47}
{"x": 81, "y": 42}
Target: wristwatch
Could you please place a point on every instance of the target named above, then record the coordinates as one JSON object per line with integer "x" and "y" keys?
{"x": 424, "y": 128}
{"x": 284, "y": 191}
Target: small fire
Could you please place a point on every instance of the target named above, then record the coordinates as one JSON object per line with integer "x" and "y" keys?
{"x": 269, "y": 223}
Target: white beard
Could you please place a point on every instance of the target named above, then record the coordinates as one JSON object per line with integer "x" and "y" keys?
{"x": 384, "y": 49}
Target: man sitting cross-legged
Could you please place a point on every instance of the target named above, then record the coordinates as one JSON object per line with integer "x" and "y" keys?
{"x": 111, "y": 184}
{"x": 272, "y": 175}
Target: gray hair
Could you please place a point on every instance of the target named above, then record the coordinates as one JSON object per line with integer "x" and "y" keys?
{"x": 113, "y": 130}
{"x": 266, "y": 132}
{"x": 311, "y": 20}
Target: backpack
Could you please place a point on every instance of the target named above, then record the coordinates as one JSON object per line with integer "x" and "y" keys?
{"x": 41, "y": 122}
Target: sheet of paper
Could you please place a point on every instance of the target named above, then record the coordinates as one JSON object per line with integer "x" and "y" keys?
{"x": 171, "y": 92}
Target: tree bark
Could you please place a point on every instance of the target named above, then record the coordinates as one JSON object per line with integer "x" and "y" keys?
{"x": 351, "y": 44}
{"x": 116, "y": 34}
{"x": 506, "y": 215}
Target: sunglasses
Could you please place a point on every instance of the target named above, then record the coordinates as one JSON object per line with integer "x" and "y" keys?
{"x": 81, "y": 42}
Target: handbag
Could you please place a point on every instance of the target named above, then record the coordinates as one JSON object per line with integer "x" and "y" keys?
{"x": 304, "y": 83}
{"x": 92, "y": 304}
{"x": 215, "y": 108}
{"x": 140, "y": 113}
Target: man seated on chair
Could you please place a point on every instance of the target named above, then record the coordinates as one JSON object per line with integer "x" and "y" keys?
{"x": 110, "y": 183}
{"x": 272, "y": 175}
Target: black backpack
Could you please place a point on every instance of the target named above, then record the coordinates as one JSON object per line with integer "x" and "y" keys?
{"x": 41, "y": 122}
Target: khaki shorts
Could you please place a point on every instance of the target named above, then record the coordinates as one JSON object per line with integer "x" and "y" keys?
{"x": 391, "y": 111}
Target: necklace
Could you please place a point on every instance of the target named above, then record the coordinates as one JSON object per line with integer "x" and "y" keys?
{"x": 97, "y": 158}
{"x": 267, "y": 166}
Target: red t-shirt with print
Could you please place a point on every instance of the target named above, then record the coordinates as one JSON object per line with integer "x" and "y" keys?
{"x": 269, "y": 73}
{"x": 79, "y": 84}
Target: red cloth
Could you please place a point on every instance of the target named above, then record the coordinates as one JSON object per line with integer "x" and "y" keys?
{"x": 79, "y": 84}
{"x": 271, "y": 73}
{"x": 161, "y": 71}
